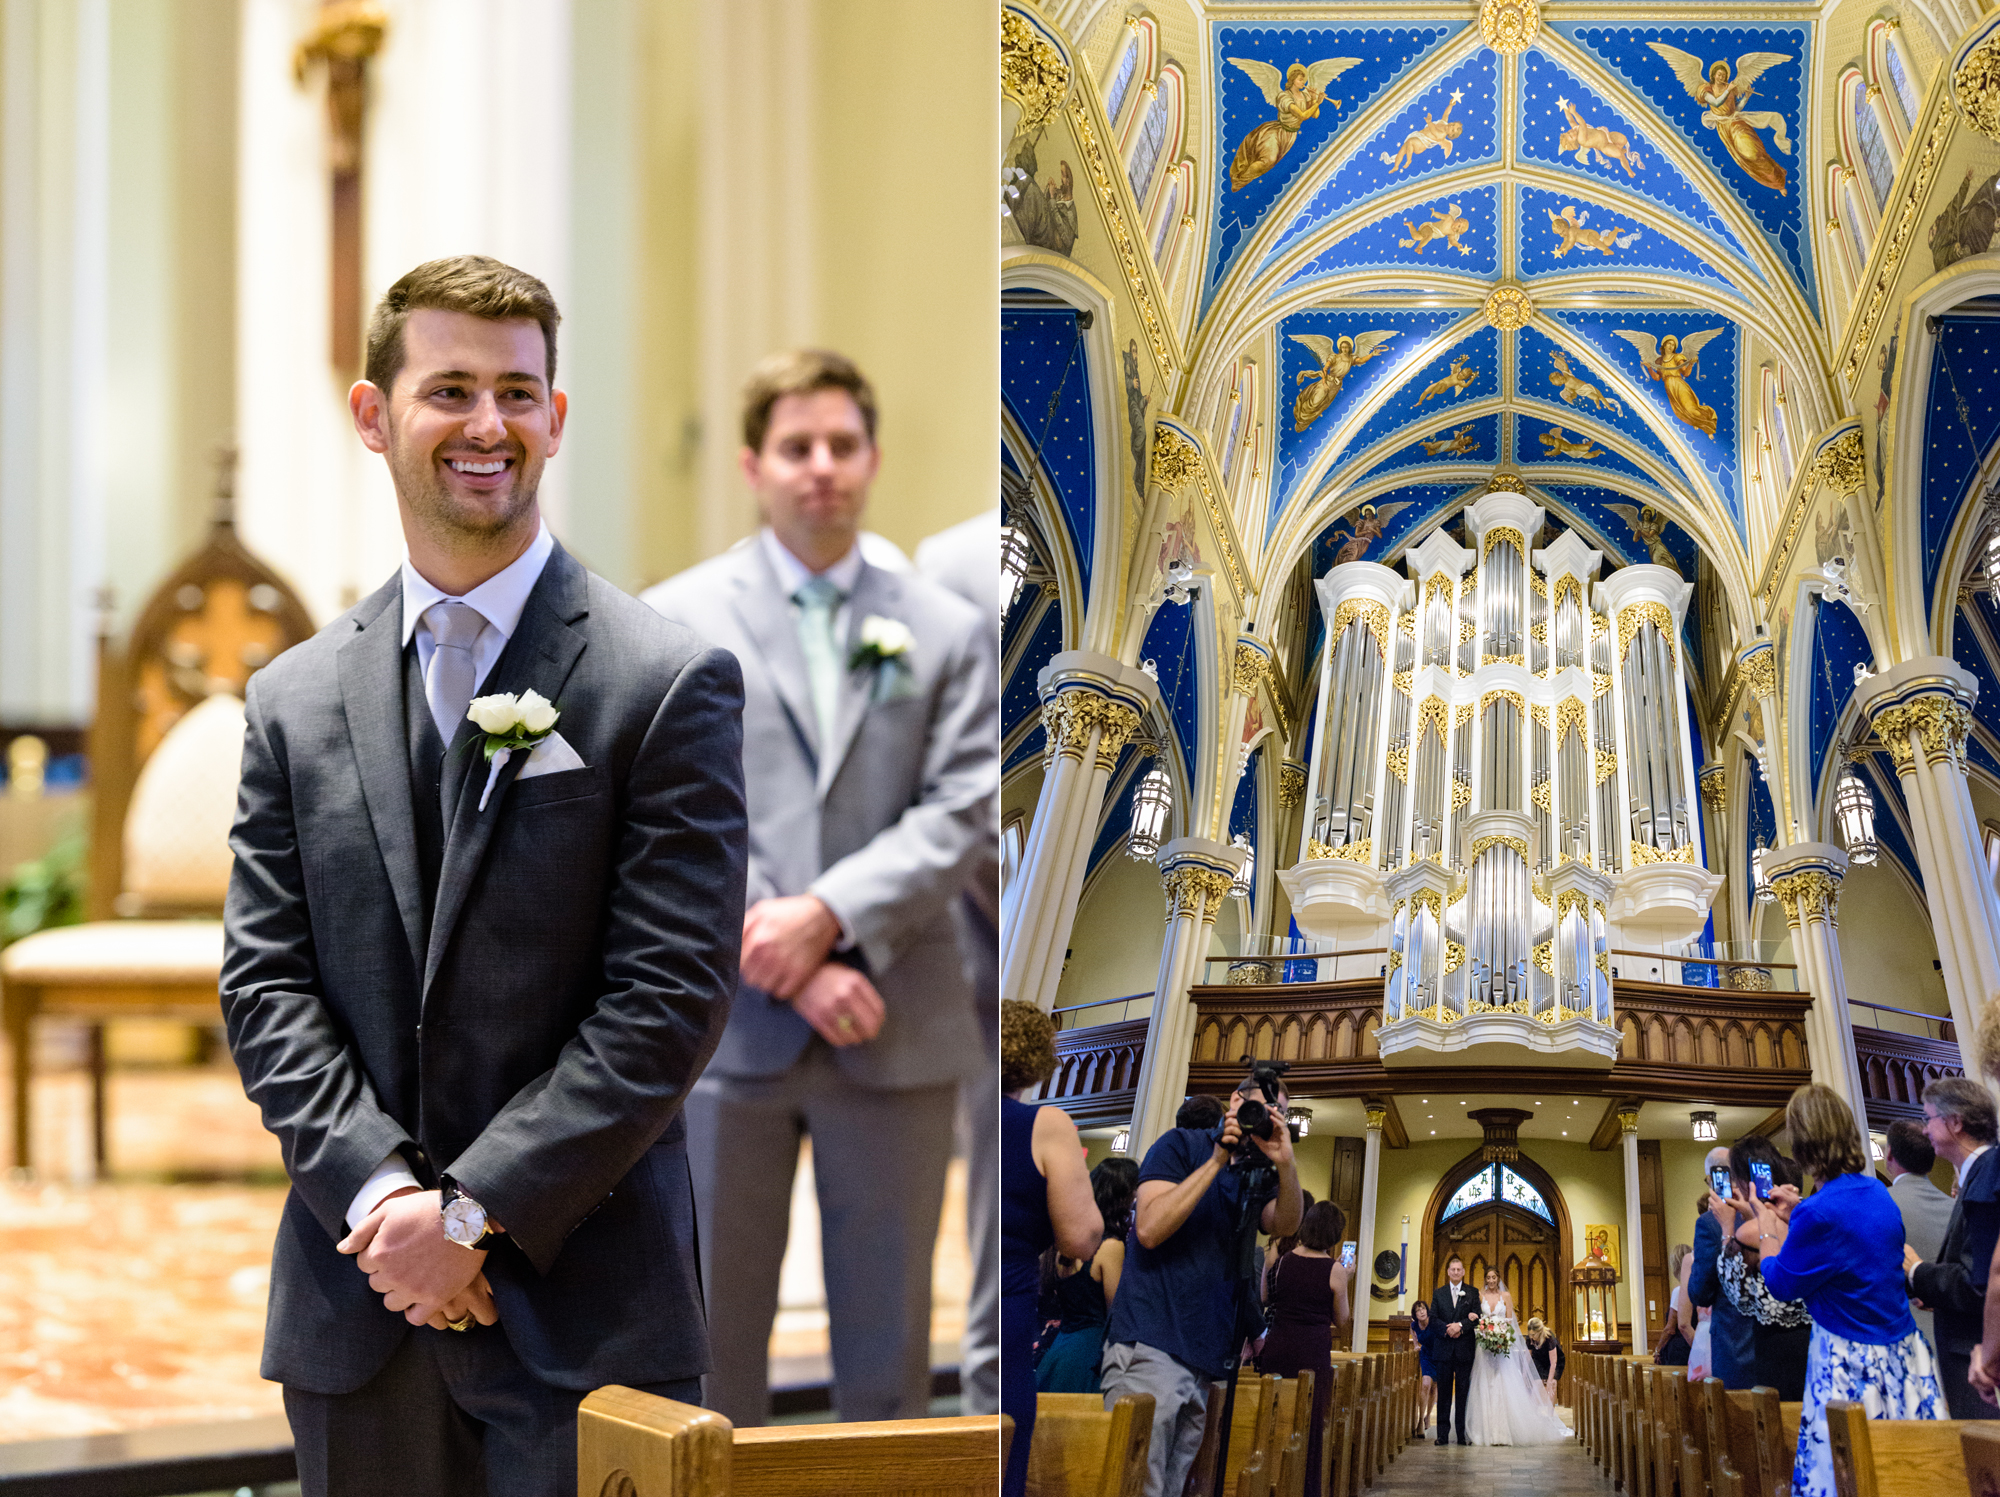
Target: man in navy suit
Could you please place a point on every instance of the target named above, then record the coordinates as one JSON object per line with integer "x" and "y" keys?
{"x": 1455, "y": 1314}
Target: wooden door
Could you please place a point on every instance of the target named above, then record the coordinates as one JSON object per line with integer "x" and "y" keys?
{"x": 1522, "y": 1246}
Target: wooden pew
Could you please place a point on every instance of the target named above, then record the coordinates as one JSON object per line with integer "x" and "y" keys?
{"x": 633, "y": 1444}
{"x": 1089, "y": 1452}
{"x": 1895, "y": 1457}
{"x": 1250, "y": 1430}
{"x": 1979, "y": 1442}
{"x": 1201, "y": 1475}
{"x": 1757, "y": 1444}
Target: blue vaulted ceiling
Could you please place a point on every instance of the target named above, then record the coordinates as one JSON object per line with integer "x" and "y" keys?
{"x": 1666, "y": 265}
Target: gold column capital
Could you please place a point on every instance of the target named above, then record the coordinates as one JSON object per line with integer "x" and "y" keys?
{"x": 1807, "y": 893}
{"x": 1377, "y": 1114}
{"x": 1937, "y": 720}
{"x": 1070, "y": 715}
{"x": 1194, "y": 889}
{"x": 1291, "y": 784}
{"x": 1628, "y": 1120}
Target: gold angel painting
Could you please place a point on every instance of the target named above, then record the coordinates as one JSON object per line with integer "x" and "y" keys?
{"x": 1296, "y": 94}
{"x": 1647, "y": 524}
{"x": 1369, "y": 523}
{"x": 1337, "y": 359}
{"x": 1439, "y": 133}
{"x": 1460, "y": 441}
{"x": 1674, "y": 364}
{"x": 1722, "y": 99}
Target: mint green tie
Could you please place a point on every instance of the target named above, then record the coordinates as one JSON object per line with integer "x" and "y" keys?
{"x": 818, "y": 600}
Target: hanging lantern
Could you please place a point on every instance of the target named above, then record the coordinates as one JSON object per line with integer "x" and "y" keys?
{"x": 1301, "y": 1119}
{"x": 1854, "y": 809}
{"x": 1150, "y": 804}
{"x": 1015, "y": 558}
{"x": 1121, "y": 1141}
{"x": 1991, "y": 555}
{"x": 1759, "y": 878}
{"x": 1703, "y": 1124}
{"x": 1247, "y": 874}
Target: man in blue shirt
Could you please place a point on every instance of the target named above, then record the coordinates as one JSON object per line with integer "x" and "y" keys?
{"x": 1732, "y": 1353}
{"x": 1173, "y": 1320}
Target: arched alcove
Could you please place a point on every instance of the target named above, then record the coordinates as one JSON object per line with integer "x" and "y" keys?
{"x": 1501, "y": 1228}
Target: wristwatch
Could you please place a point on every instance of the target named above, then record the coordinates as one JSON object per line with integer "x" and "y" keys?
{"x": 464, "y": 1218}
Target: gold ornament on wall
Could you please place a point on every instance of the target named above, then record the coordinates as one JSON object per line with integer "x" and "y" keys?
{"x": 1635, "y": 616}
{"x": 1175, "y": 460}
{"x": 1975, "y": 88}
{"x": 1291, "y": 784}
{"x": 1840, "y": 464}
{"x": 1353, "y": 852}
{"x": 1252, "y": 665}
{"x": 1638, "y": 855}
{"x": 1507, "y": 307}
{"x": 1365, "y": 611}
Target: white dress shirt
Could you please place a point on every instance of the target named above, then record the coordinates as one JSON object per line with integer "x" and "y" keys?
{"x": 499, "y": 600}
{"x": 794, "y": 574}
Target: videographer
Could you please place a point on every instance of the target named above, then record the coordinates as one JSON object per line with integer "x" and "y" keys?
{"x": 1173, "y": 1323}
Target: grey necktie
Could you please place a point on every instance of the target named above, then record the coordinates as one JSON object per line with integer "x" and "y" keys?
{"x": 449, "y": 683}
{"x": 818, "y": 601}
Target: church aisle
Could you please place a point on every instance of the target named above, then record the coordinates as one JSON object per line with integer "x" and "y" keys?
{"x": 1425, "y": 1470}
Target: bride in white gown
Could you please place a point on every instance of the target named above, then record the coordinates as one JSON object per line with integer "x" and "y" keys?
{"x": 1507, "y": 1404}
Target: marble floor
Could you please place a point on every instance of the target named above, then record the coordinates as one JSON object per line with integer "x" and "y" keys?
{"x": 140, "y": 1301}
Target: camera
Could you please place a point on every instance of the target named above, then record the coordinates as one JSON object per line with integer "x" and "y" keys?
{"x": 1258, "y": 1115}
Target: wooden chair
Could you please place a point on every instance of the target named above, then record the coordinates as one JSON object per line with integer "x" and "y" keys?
{"x": 1090, "y": 1451}
{"x": 1894, "y": 1457}
{"x": 633, "y": 1444}
{"x": 1979, "y": 1443}
{"x": 164, "y": 756}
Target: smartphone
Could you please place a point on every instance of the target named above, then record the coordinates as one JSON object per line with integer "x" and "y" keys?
{"x": 1718, "y": 1180}
{"x": 1347, "y": 1250}
{"x": 1760, "y": 1179}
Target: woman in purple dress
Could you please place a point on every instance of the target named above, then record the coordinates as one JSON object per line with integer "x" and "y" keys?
{"x": 1306, "y": 1300}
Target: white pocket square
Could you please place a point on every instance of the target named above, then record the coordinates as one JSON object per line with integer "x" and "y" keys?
{"x": 551, "y": 756}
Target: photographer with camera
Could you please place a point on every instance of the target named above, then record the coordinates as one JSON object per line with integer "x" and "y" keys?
{"x": 1174, "y": 1327}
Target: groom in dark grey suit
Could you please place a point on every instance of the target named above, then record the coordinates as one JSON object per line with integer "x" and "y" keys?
{"x": 870, "y": 757}
{"x": 1455, "y": 1313}
{"x": 471, "y": 998}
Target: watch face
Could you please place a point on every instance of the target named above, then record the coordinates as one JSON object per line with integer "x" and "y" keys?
{"x": 464, "y": 1220}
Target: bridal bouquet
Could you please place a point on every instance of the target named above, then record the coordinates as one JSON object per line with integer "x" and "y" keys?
{"x": 1497, "y": 1336}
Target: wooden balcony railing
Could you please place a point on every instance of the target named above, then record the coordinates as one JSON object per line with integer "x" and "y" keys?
{"x": 1895, "y": 1069}
{"x": 1735, "y": 1048}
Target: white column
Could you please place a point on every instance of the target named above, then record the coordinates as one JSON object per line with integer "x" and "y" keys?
{"x": 1805, "y": 878}
{"x": 1635, "y": 1242}
{"x": 1196, "y": 873}
{"x": 1922, "y": 710}
{"x": 1364, "y": 1236}
{"x": 1091, "y": 706}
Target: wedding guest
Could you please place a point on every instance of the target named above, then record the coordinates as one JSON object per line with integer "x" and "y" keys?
{"x": 1676, "y": 1336}
{"x": 1277, "y": 1247}
{"x": 1781, "y": 1330}
{"x": 1084, "y": 1291}
{"x": 1422, "y": 1332}
{"x": 1837, "y": 1252}
{"x": 1700, "y": 1364}
{"x": 1045, "y": 1197}
{"x": 1306, "y": 1300}
{"x": 870, "y": 766}
{"x": 1985, "y": 1361}
{"x": 1960, "y": 1124}
{"x": 1731, "y": 1349}
{"x": 1926, "y": 1209}
{"x": 1548, "y": 1356}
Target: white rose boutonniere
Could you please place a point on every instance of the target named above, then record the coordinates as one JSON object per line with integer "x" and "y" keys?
{"x": 510, "y": 722}
{"x": 884, "y": 647}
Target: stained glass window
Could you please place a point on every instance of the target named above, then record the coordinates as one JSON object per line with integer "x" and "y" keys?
{"x": 1122, "y": 82}
{"x": 1518, "y": 1192}
{"x": 1875, "y": 160}
{"x": 1152, "y": 140}
{"x": 1906, "y": 92}
{"x": 1474, "y": 1192}
{"x": 1170, "y": 214}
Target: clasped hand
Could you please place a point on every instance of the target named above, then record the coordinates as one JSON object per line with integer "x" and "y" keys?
{"x": 1277, "y": 1148}
{"x": 420, "y": 1273}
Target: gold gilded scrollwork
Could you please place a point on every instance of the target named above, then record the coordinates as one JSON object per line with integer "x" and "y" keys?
{"x": 1367, "y": 612}
{"x": 1454, "y": 956}
{"x": 1509, "y": 26}
{"x": 1600, "y": 682}
{"x": 1807, "y": 893}
{"x": 1503, "y": 694}
{"x": 1544, "y": 795}
{"x": 1175, "y": 459}
{"x": 1462, "y": 714}
{"x": 1603, "y": 962}
{"x": 1519, "y": 844}
{"x": 1408, "y": 624}
{"x": 1437, "y": 582}
{"x": 1251, "y": 666}
{"x": 1404, "y": 681}
{"x": 1937, "y": 720}
{"x": 1427, "y": 899}
{"x": 1434, "y": 712}
{"x": 1537, "y": 586}
{"x": 1635, "y": 616}
{"x": 1566, "y": 587}
{"x": 1540, "y": 714}
{"x": 1461, "y": 794}
{"x": 1607, "y": 765}
{"x": 1840, "y": 464}
{"x": 1714, "y": 782}
{"x": 1507, "y": 307}
{"x": 1638, "y": 855}
{"x": 1399, "y": 762}
{"x": 1466, "y": 629}
{"x": 1545, "y": 957}
{"x": 1291, "y": 784}
{"x": 1498, "y": 534}
{"x": 1569, "y": 718}
{"x": 1353, "y": 852}
{"x": 1194, "y": 890}
{"x": 1571, "y": 899}
{"x": 1975, "y": 88}
{"x": 1031, "y": 69}
{"x": 1069, "y": 716}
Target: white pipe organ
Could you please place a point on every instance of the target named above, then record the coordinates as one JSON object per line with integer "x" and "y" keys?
{"x": 1501, "y": 773}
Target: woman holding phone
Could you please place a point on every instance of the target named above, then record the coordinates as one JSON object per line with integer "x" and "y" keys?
{"x": 1841, "y": 1252}
{"x": 1781, "y": 1330}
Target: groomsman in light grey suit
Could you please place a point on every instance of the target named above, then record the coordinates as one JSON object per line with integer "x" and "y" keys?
{"x": 470, "y": 995}
{"x": 871, "y": 766}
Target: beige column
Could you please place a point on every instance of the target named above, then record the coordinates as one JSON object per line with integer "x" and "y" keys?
{"x": 1634, "y": 1266}
{"x": 1921, "y": 710}
{"x": 1091, "y": 706}
{"x": 1805, "y": 878}
{"x": 1361, "y": 1304}
{"x": 1197, "y": 873}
